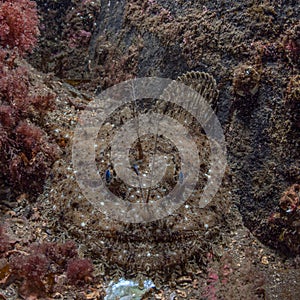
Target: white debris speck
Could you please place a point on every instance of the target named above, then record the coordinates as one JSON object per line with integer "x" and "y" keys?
{"x": 127, "y": 289}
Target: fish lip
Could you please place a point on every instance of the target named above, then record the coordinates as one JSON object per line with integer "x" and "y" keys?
{"x": 140, "y": 237}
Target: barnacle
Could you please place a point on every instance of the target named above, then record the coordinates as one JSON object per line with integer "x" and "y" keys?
{"x": 293, "y": 91}
{"x": 290, "y": 198}
{"x": 246, "y": 80}
{"x": 292, "y": 100}
{"x": 285, "y": 224}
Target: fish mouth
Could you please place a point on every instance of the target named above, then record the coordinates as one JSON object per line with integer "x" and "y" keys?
{"x": 152, "y": 247}
{"x": 139, "y": 254}
{"x": 157, "y": 236}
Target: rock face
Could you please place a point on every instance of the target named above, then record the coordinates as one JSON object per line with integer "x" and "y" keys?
{"x": 96, "y": 44}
